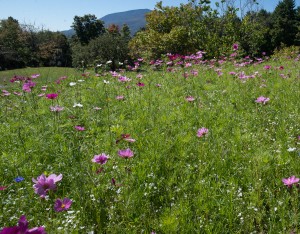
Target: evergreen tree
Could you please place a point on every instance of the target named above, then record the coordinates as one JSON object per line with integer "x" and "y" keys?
{"x": 284, "y": 24}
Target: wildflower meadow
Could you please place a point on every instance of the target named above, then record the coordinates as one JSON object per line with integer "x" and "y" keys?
{"x": 177, "y": 145}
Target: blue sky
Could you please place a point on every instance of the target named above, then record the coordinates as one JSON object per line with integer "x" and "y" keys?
{"x": 57, "y": 15}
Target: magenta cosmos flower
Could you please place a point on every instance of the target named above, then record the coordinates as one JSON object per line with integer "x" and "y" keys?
{"x": 51, "y": 95}
{"x": 100, "y": 159}
{"x": 79, "y": 128}
{"x": 262, "y": 100}
{"x": 201, "y": 132}
{"x": 290, "y": 181}
{"x": 127, "y": 153}
{"x": 43, "y": 184}
{"x": 235, "y": 46}
{"x": 22, "y": 228}
{"x": 61, "y": 205}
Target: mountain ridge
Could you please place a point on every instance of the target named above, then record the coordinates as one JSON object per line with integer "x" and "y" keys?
{"x": 135, "y": 19}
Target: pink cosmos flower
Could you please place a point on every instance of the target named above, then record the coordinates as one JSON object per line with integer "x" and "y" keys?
{"x": 61, "y": 205}
{"x": 27, "y": 86}
{"x": 34, "y": 76}
{"x": 120, "y": 97}
{"x": 262, "y": 100}
{"x": 79, "y": 128}
{"x": 235, "y": 46}
{"x": 51, "y": 95}
{"x": 127, "y": 153}
{"x": 158, "y": 85}
{"x": 190, "y": 98}
{"x": 140, "y": 84}
{"x": 56, "y": 108}
{"x": 22, "y": 228}
{"x": 43, "y": 184}
{"x": 3, "y": 188}
{"x": 5, "y": 92}
{"x": 201, "y": 132}
{"x": 100, "y": 159}
{"x": 267, "y": 67}
{"x": 290, "y": 181}
{"x": 17, "y": 93}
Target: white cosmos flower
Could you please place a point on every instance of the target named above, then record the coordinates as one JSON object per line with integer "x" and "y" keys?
{"x": 72, "y": 83}
{"x": 106, "y": 81}
{"x": 291, "y": 149}
{"x": 77, "y": 105}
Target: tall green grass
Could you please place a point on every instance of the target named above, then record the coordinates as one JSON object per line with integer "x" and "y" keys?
{"x": 228, "y": 181}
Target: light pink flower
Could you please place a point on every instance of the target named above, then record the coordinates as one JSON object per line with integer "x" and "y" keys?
{"x": 127, "y": 153}
{"x": 190, "y": 98}
{"x": 262, "y": 100}
{"x": 290, "y": 181}
{"x": 61, "y": 205}
{"x": 201, "y": 132}
{"x": 56, "y": 108}
{"x": 120, "y": 97}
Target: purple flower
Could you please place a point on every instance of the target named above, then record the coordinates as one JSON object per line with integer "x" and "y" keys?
{"x": 262, "y": 100}
{"x": 201, "y": 132}
{"x": 51, "y": 95}
{"x": 100, "y": 159}
{"x": 127, "y": 153}
{"x": 43, "y": 184}
{"x": 22, "y": 228}
{"x": 267, "y": 67}
{"x": 79, "y": 128}
{"x": 61, "y": 205}
{"x": 290, "y": 181}
{"x": 19, "y": 179}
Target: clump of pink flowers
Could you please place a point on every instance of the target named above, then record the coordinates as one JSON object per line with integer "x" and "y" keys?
{"x": 201, "y": 132}
{"x": 290, "y": 181}
{"x": 44, "y": 184}
{"x": 262, "y": 100}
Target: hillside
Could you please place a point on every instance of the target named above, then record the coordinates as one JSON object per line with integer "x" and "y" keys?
{"x": 135, "y": 19}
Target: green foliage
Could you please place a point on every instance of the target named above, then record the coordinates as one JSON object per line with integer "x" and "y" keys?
{"x": 87, "y": 28}
{"x": 12, "y": 44}
{"x": 228, "y": 181}
{"x": 284, "y": 24}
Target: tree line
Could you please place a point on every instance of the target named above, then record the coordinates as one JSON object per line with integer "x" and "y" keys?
{"x": 179, "y": 30}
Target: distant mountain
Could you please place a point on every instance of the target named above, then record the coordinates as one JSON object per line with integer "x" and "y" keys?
{"x": 135, "y": 19}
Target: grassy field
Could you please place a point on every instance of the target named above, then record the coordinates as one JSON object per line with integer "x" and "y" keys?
{"x": 200, "y": 147}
